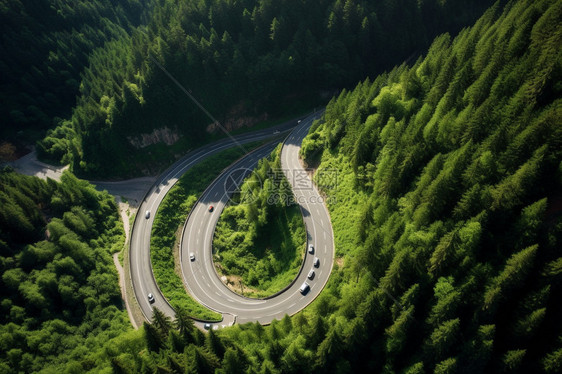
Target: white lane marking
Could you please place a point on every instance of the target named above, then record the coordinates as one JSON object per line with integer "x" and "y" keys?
{"x": 289, "y": 148}
{"x": 213, "y": 279}
{"x": 143, "y": 263}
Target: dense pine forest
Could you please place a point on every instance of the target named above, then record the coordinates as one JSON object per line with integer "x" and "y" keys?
{"x": 59, "y": 289}
{"x": 447, "y": 215}
{"x": 245, "y": 61}
{"x": 454, "y": 166}
{"x": 46, "y": 45}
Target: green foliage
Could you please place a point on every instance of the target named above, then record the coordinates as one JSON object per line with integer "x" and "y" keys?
{"x": 170, "y": 218}
{"x": 60, "y": 296}
{"x": 446, "y": 217}
{"x": 553, "y": 361}
{"x": 243, "y": 60}
{"x": 40, "y": 82}
{"x": 447, "y": 167}
{"x": 261, "y": 239}
{"x": 512, "y": 276}
{"x": 512, "y": 359}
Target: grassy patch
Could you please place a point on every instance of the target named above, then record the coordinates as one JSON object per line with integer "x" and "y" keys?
{"x": 169, "y": 219}
{"x": 259, "y": 245}
{"x": 345, "y": 204}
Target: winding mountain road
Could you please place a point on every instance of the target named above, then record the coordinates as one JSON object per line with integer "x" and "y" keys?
{"x": 199, "y": 274}
{"x": 139, "y": 248}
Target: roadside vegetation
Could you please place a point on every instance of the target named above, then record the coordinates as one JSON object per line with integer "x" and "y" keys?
{"x": 260, "y": 238}
{"x": 59, "y": 290}
{"x": 169, "y": 221}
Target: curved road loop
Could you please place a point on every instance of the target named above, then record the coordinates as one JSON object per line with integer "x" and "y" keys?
{"x": 140, "y": 265}
{"x": 199, "y": 274}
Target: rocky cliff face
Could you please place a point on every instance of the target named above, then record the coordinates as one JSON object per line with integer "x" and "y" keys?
{"x": 161, "y": 135}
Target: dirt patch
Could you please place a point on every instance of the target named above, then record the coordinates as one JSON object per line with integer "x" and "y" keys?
{"x": 30, "y": 165}
{"x": 235, "y": 284}
{"x": 125, "y": 283}
{"x": 162, "y": 135}
{"x": 123, "y": 288}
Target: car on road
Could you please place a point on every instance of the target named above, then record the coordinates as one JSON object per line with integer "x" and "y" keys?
{"x": 192, "y": 256}
{"x": 211, "y": 208}
{"x": 207, "y": 326}
{"x": 150, "y": 298}
{"x": 316, "y": 262}
{"x": 304, "y": 288}
{"x": 276, "y": 132}
{"x": 147, "y": 214}
{"x": 311, "y": 249}
{"x": 311, "y": 274}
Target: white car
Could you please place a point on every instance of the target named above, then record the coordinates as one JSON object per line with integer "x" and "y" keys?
{"x": 150, "y": 298}
{"x": 311, "y": 249}
{"x": 192, "y": 256}
{"x": 304, "y": 288}
{"x": 316, "y": 262}
{"x": 147, "y": 214}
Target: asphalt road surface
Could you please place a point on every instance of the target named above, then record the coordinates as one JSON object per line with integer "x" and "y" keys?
{"x": 200, "y": 277}
{"x": 140, "y": 265}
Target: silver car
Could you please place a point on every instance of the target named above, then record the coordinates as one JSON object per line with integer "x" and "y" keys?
{"x": 311, "y": 274}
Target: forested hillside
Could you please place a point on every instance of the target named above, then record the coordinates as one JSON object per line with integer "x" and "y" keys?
{"x": 447, "y": 215}
{"x": 45, "y": 46}
{"x": 454, "y": 223}
{"x": 244, "y": 60}
{"x": 447, "y": 220}
{"x": 59, "y": 292}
